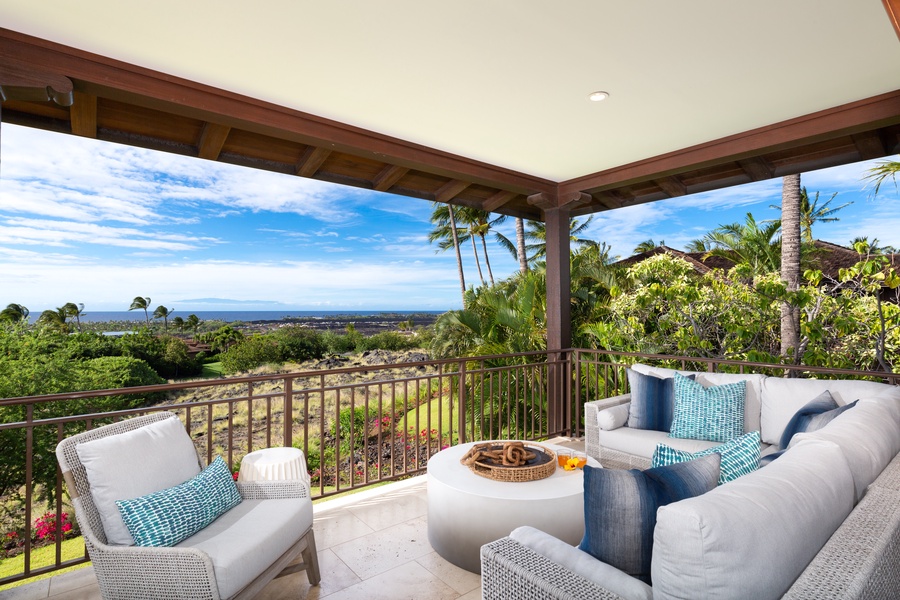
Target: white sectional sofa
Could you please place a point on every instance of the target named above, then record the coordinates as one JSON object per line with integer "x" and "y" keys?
{"x": 820, "y": 521}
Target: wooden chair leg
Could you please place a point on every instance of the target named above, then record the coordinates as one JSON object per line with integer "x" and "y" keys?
{"x": 311, "y": 559}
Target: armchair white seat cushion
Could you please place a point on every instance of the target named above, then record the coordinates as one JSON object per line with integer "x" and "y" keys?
{"x": 250, "y": 537}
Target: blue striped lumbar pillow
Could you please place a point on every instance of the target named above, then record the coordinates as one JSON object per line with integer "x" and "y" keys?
{"x": 715, "y": 414}
{"x": 169, "y": 516}
{"x": 620, "y": 508}
{"x": 739, "y": 456}
{"x": 814, "y": 415}
{"x": 652, "y": 401}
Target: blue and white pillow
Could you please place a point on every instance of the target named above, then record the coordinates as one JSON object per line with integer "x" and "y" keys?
{"x": 715, "y": 414}
{"x": 169, "y": 516}
{"x": 740, "y": 456}
{"x": 814, "y": 415}
{"x": 652, "y": 401}
{"x": 620, "y": 508}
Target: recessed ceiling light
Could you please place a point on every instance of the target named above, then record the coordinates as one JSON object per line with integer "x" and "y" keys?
{"x": 598, "y": 96}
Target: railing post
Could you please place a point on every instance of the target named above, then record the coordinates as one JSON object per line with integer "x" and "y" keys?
{"x": 461, "y": 395}
{"x": 288, "y": 412}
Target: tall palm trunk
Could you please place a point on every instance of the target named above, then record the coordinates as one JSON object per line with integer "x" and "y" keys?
{"x": 790, "y": 262}
{"x": 487, "y": 261}
{"x": 477, "y": 260}
{"x": 459, "y": 265}
{"x": 520, "y": 244}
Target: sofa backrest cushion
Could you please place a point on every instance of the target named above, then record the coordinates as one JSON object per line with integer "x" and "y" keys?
{"x": 753, "y": 537}
{"x": 715, "y": 413}
{"x": 868, "y": 435}
{"x": 782, "y": 398}
{"x": 620, "y": 508}
{"x": 131, "y": 464}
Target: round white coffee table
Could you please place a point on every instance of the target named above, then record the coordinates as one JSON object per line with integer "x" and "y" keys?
{"x": 466, "y": 511}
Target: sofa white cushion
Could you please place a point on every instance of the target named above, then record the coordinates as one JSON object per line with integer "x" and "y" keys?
{"x": 582, "y": 563}
{"x": 753, "y": 537}
{"x": 135, "y": 463}
{"x": 243, "y": 542}
{"x": 781, "y": 398}
{"x": 613, "y": 417}
{"x": 869, "y": 436}
{"x": 642, "y": 442}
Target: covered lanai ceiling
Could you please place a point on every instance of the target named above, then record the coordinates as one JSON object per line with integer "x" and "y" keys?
{"x": 479, "y": 102}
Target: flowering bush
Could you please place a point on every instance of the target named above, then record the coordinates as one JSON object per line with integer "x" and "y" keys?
{"x": 45, "y": 527}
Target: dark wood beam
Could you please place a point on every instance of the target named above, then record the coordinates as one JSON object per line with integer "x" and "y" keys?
{"x": 893, "y": 10}
{"x": 855, "y": 117}
{"x": 672, "y": 186}
{"x": 544, "y": 201}
{"x": 498, "y": 200}
{"x": 450, "y": 190}
{"x": 312, "y": 159}
{"x": 389, "y": 176}
{"x": 757, "y": 168}
{"x": 83, "y": 115}
{"x": 212, "y": 139}
{"x": 869, "y": 145}
{"x": 21, "y": 81}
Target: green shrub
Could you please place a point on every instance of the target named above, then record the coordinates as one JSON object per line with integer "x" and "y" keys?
{"x": 250, "y": 353}
{"x": 386, "y": 340}
{"x": 338, "y": 343}
{"x": 298, "y": 343}
{"x": 359, "y": 418}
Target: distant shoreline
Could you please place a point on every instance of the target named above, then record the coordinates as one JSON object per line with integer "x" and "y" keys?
{"x": 251, "y": 316}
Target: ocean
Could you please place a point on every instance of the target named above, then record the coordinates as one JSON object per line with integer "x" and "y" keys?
{"x": 241, "y": 315}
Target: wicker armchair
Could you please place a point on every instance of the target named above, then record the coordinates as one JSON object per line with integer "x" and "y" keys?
{"x": 126, "y": 572}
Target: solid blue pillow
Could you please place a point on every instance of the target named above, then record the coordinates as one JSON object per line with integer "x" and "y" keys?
{"x": 169, "y": 516}
{"x": 620, "y": 508}
{"x": 715, "y": 414}
{"x": 652, "y": 401}
{"x": 816, "y": 414}
{"x": 740, "y": 456}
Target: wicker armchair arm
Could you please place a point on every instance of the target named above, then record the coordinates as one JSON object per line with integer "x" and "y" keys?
{"x": 511, "y": 570}
{"x": 267, "y": 490}
{"x": 591, "y": 429}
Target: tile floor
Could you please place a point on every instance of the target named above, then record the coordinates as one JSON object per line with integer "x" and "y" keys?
{"x": 372, "y": 545}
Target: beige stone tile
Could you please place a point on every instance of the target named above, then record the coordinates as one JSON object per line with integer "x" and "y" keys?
{"x": 392, "y": 508}
{"x": 28, "y": 591}
{"x": 72, "y": 580}
{"x": 335, "y": 577}
{"x": 386, "y": 549}
{"x": 473, "y": 595}
{"x": 409, "y": 581}
{"x": 459, "y": 579}
{"x": 87, "y": 592}
{"x": 336, "y": 527}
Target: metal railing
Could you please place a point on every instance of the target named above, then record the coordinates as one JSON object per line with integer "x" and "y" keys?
{"x": 357, "y": 426}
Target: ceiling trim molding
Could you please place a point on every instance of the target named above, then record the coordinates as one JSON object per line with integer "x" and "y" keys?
{"x": 893, "y": 10}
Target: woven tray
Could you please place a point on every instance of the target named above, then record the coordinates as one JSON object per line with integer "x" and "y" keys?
{"x": 541, "y": 466}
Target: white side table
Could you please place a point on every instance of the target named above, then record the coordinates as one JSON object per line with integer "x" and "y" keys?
{"x": 466, "y": 511}
{"x": 274, "y": 463}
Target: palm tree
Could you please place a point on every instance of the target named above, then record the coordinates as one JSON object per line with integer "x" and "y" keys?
{"x": 179, "y": 323}
{"x": 448, "y": 235}
{"x": 648, "y": 245}
{"x": 752, "y": 244}
{"x": 54, "y": 319}
{"x": 163, "y": 313}
{"x": 142, "y": 303}
{"x": 875, "y": 246}
{"x": 699, "y": 245}
{"x": 480, "y": 224}
{"x": 74, "y": 310}
{"x": 537, "y": 231}
{"x": 811, "y": 213}
{"x": 193, "y": 323}
{"x": 881, "y": 172}
{"x": 520, "y": 244}
{"x": 14, "y": 313}
{"x": 790, "y": 259}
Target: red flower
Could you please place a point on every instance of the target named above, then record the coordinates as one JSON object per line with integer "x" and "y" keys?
{"x": 235, "y": 475}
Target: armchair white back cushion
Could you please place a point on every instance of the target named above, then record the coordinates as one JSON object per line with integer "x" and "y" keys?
{"x": 127, "y": 465}
{"x": 752, "y": 537}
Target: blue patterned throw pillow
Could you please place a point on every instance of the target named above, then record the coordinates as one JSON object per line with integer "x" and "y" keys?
{"x": 739, "y": 456}
{"x": 715, "y": 414}
{"x": 620, "y": 508}
{"x": 169, "y": 516}
{"x": 814, "y": 415}
{"x": 652, "y": 401}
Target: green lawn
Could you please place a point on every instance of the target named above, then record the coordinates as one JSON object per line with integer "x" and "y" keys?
{"x": 42, "y": 557}
{"x": 212, "y": 371}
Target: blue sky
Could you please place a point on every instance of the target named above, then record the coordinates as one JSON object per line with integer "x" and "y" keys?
{"x": 98, "y": 223}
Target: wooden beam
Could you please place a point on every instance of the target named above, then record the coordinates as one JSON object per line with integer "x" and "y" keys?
{"x": 388, "y": 176}
{"x": 450, "y": 190}
{"x": 21, "y": 81}
{"x": 83, "y": 115}
{"x": 757, "y": 168}
{"x": 672, "y": 186}
{"x": 893, "y": 10}
{"x": 312, "y": 159}
{"x": 543, "y": 200}
{"x": 498, "y": 200}
{"x": 869, "y": 145}
{"x": 212, "y": 138}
